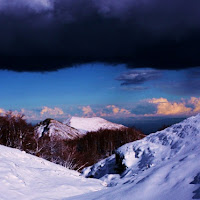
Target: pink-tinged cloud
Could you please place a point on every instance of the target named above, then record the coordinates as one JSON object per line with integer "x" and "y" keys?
{"x": 51, "y": 111}
{"x": 2, "y": 111}
{"x": 30, "y": 115}
{"x": 116, "y": 110}
{"x": 87, "y": 111}
{"x": 196, "y": 103}
{"x": 164, "y": 107}
{"x": 12, "y": 113}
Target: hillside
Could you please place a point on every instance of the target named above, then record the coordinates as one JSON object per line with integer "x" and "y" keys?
{"x": 26, "y": 177}
{"x": 162, "y": 166}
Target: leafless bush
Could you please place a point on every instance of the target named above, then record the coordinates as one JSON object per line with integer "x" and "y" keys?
{"x": 16, "y": 132}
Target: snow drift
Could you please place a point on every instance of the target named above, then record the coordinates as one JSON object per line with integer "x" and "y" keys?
{"x": 26, "y": 177}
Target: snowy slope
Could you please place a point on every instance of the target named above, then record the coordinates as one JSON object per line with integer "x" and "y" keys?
{"x": 163, "y": 166}
{"x": 56, "y": 129}
{"x": 91, "y": 124}
{"x": 26, "y": 177}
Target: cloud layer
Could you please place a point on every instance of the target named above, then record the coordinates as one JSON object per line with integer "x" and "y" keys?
{"x": 51, "y": 111}
{"x": 39, "y": 35}
{"x": 184, "y": 108}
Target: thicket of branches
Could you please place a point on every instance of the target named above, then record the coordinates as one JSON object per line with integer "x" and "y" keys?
{"x": 84, "y": 151}
{"x": 74, "y": 154}
{"x": 98, "y": 145}
{"x": 15, "y": 132}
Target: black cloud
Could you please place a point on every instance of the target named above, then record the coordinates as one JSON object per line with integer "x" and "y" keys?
{"x": 189, "y": 85}
{"x": 48, "y": 35}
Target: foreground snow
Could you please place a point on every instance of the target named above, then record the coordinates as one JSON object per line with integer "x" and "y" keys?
{"x": 91, "y": 124}
{"x": 26, "y": 177}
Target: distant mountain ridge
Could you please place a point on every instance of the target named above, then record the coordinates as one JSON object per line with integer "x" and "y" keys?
{"x": 73, "y": 127}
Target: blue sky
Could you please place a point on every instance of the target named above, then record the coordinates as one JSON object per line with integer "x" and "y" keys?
{"x": 101, "y": 90}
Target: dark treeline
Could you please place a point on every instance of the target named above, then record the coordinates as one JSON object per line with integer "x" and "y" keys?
{"x": 74, "y": 154}
{"x": 15, "y": 132}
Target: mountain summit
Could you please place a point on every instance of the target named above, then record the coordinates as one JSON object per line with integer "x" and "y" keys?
{"x": 54, "y": 128}
{"x": 91, "y": 124}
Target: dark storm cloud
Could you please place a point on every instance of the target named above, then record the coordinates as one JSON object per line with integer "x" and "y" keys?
{"x": 39, "y": 35}
{"x": 185, "y": 87}
{"x": 135, "y": 77}
{"x": 188, "y": 85}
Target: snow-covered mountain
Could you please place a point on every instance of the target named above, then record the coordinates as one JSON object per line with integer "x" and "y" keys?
{"x": 53, "y": 128}
{"x": 27, "y": 177}
{"x": 163, "y": 166}
{"x": 91, "y": 124}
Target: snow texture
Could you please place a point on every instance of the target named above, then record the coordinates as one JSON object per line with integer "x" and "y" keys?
{"x": 26, "y": 177}
{"x": 162, "y": 166}
{"x": 91, "y": 124}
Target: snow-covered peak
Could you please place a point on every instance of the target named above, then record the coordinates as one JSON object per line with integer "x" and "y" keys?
{"x": 54, "y": 128}
{"x": 91, "y": 124}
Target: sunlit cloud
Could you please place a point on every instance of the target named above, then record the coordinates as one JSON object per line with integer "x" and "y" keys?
{"x": 155, "y": 107}
{"x": 51, "y": 111}
{"x": 164, "y": 107}
{"x": 196, "y": 103}
{"x": 88, "y": 112}
{"x": 30, "y": 115}
{"x": 113, "y": 110}
{"x": 2, "y": 111}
